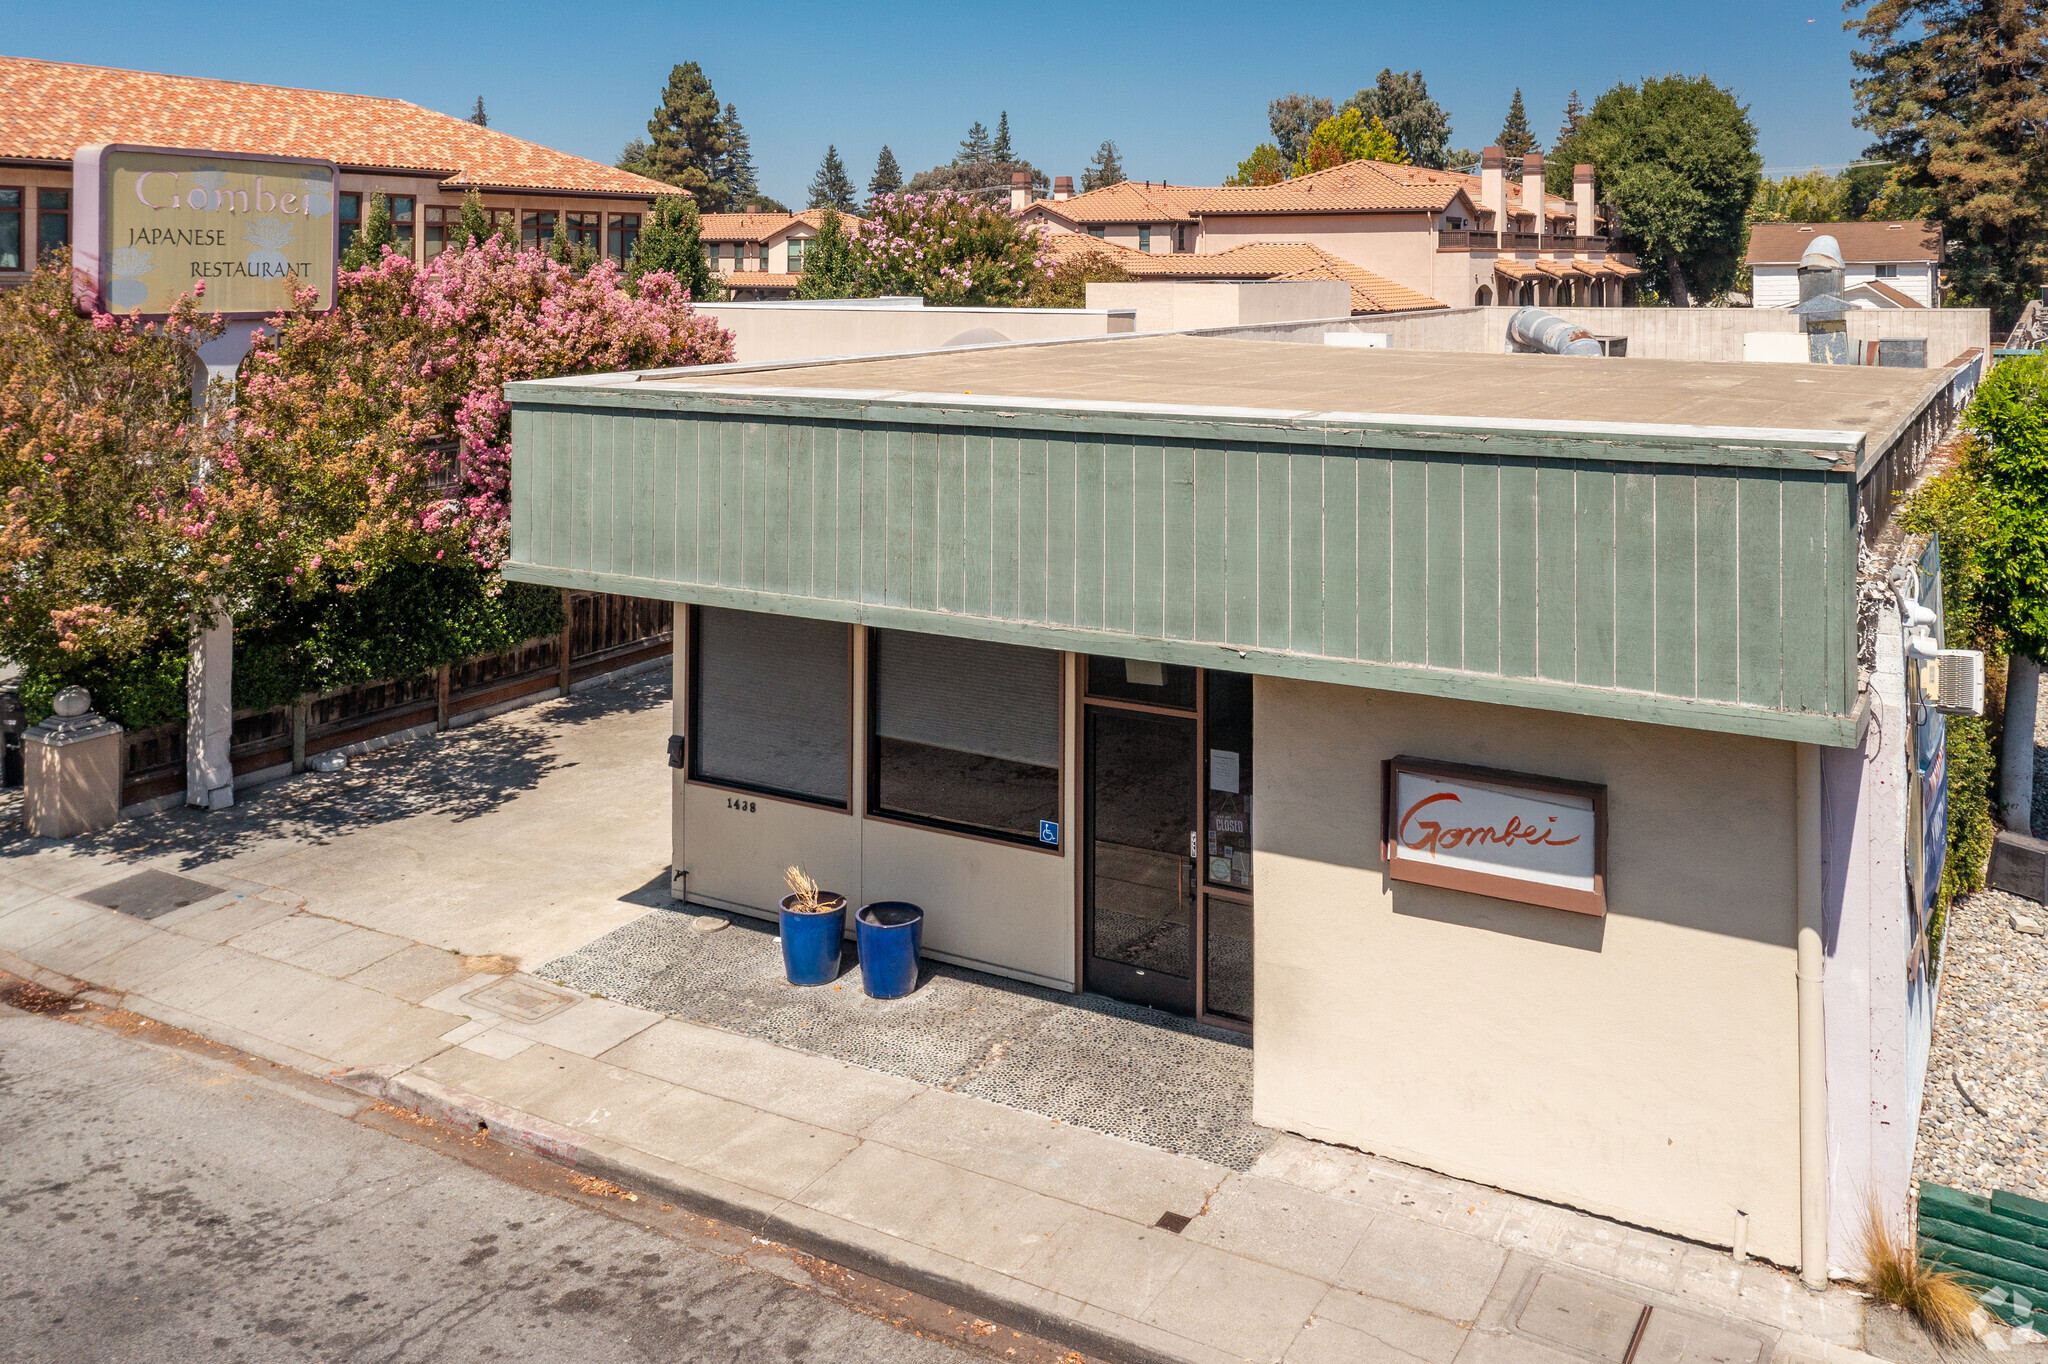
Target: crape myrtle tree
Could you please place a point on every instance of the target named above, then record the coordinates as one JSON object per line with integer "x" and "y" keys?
{"x": 1953, "y": 90}
{"x": 124, "y": 513}
{"x": 953, "y": 250}
{"x": 1676, "y": 157}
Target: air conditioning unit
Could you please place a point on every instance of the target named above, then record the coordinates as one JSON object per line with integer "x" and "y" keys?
{"x": 1952, "y": 681}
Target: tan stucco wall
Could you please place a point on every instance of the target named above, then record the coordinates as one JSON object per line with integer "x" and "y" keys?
{"x": 1642, "y": 1065}
{"x": 994, "y": 906}
{"x": 1399, "y": 246}
{"x": 1170, "y": 305}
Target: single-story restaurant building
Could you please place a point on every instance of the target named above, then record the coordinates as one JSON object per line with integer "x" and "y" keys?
{"x": 1453, "y": 723}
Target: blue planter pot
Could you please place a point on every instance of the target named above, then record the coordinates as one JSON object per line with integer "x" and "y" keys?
{"x": 811, "y": 942}
{"x": 889, "y": 932}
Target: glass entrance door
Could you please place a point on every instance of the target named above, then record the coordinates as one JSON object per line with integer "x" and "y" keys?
{"x": 1143, "y": 839}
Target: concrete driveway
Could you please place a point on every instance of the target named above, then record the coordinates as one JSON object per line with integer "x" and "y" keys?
{"x": 527, "y": 835}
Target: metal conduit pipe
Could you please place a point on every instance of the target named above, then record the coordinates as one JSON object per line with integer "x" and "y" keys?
{"x": 1550, "y": 333}
{"x": 1813, "y": 1079}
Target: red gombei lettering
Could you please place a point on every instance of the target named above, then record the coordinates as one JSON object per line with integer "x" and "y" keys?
{"x": 1435, "y": 837}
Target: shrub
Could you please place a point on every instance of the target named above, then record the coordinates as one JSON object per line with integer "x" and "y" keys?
{"x": 951, "y": 250}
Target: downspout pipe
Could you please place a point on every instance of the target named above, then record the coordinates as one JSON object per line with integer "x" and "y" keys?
{"x": 1813, "y": 1088}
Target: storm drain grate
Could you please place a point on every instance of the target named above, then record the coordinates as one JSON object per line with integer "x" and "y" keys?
{"x": 1173, "y": 1222}
{"x": 150, "y": 894}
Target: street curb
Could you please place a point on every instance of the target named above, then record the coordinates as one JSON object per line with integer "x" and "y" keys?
{"x": 742, "y": 1208}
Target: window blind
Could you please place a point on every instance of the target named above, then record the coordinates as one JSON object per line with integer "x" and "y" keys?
{"x": 773, "y": 696}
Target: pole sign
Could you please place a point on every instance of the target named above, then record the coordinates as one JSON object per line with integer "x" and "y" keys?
{"x": 152, "y": 222}
{"x": 1512, "y": 836}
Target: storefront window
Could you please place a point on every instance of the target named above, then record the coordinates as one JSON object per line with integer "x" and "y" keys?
{"x": 585, "y": 230}
{"x": 966, "y": 734}
{"x": 1227, "y": 707}
{"x": 10, "y": 229}
{"x": 771, "y": 701}
{"x": 53, "y": 220}
{"x": 1134, "y": 679}
{"x": 536, "y": 228}
{"x": 625, "y": 235}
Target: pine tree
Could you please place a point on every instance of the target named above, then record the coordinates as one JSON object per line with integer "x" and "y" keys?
{"x": 478, "y": 116}
{"x": 830, "y": 187}
{"x": 689, "y": 144}
{"x": 1953, "y": 90}
{"x": 829, "y": 269}
{"x": 999, "y": 151}
{"x": 976, "y": 147}
{"x": 1574, "y": 115}
{"x": 888, "y": 176}
{"x": 1515, "y": 138}
{"x": 739, "y": 158}
{"x": 1106, "y": 169}
{"x": 367, "y": 246}
{"x": 670, "y": 240}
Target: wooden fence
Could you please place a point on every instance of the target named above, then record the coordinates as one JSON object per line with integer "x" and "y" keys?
{"x": 604, "y": 633}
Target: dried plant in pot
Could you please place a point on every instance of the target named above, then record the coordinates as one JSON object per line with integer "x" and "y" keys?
{"x": 813, "y": 930}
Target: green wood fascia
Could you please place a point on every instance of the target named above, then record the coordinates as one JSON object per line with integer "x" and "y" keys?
{"x": 1835, "y": 731}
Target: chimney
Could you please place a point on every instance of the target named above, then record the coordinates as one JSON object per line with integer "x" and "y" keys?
{"x": 1584, "y": 219}
{"x": 1532, "y": 191}
{"x": 1020, "y": 190}
{"x": 1063, "y": 188}
{"x": 1493, "y": 186}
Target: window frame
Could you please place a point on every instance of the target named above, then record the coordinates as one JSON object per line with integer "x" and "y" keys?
{"x": 62, "y": 213}
{"x": 574, "y": 224}
{"x": 404, "y": 232}
{"x": 1885, "y": 270}
{"x": 1145, "y": 237}
{"x": 615, "y": 225}
{"x": 21, "y": 245}
{"x": 872, "y": 777}
{"x": 693, "y": 709}
{"x": 543, "y": 232}
{"x": 793, "y": 255}
{"x": 346, "y": 227}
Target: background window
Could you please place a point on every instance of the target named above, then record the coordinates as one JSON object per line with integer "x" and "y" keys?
{"x": 1144, "y": 239}
{"x": 966, "y": 733}
{"x": 771, "y": 701}
{"x": 625, "y": 235}
{"x": 586, "y": 230}
{"x": 1096, "y": 232}
{"x": 10, "y": 229}
{"x": 349, "y": 214}
{"x": 764, "y": 256}
{"x": 711, "y": 255}
{"x": 536, "y": 228}
{"x": 1887, "y": 272}
{"x": 796, "y": 255}
{"x": 434, "y": 231}
{"x": 402, "y": 225}
{"x": 53, "y": 220}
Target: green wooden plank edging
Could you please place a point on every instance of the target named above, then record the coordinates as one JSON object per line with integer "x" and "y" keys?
{"x": 2000, "y": 1242}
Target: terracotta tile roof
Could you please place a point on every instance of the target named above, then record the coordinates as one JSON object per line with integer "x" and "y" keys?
{"x": 1370, "y": 293}
{"x": 1862, "y": 243}
{"x": 1354, "y": 187}
{"x": 761, "y": 227}
{"x": 1517, "y": 269}
{"x": 1068, "y": 246}
{"x": 48, "y": 110}
{"x": 1129, "y": 201}
{"x": 760, "y": 279}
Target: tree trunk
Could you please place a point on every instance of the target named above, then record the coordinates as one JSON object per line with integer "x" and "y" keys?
{"x": 2016, "y": 757}
{"x": 1680, "y": 296}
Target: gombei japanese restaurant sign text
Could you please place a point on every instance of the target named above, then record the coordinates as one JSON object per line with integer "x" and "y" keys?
{"x": 153, "y": 222}
{"x": 1503, "y": 834}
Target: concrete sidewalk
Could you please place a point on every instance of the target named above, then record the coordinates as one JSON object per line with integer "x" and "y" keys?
{"x": 1121, "y": 1250}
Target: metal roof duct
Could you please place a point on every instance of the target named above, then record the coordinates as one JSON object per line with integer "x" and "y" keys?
{"x": 1547, "y": 332}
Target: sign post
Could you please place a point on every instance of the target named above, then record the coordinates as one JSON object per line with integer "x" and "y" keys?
{"x": 151, "y": 224}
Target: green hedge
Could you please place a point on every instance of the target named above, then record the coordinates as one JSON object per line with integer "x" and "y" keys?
{"x": 411, "y": 620}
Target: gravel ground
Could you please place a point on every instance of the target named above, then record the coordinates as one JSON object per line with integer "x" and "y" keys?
{"x": 1984, "y": 1120}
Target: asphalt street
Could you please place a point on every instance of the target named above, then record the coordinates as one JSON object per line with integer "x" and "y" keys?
{"x": 159, "y": 1206}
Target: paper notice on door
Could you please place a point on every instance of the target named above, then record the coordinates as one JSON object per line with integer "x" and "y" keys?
{"x": 1223, "y": 770}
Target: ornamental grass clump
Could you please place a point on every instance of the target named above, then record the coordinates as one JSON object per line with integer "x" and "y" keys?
{"x": 1895, "y": 1272}
{"x": 805, "y": 897}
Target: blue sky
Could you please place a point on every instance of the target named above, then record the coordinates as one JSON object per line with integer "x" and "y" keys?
{"x": 1181, "y": 88}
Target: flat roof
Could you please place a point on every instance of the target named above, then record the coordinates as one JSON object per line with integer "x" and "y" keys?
{"x": 1194, "y": 373}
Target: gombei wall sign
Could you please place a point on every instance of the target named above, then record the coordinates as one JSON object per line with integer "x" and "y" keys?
{"x": 153, "y": 221}
{"x": 1504, "y": 834}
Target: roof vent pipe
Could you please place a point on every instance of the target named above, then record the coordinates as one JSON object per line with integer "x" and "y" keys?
{"x": 1820, "y": 269}
{"x": 1534, "y": 329}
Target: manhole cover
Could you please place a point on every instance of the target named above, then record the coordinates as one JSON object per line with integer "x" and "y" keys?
{"x": 148, "y": 894}
{"x": 525, "y": 1001}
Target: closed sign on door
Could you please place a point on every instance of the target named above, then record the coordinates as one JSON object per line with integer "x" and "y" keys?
{"x": 1504, "y": 834}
